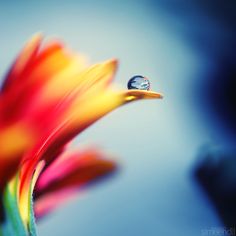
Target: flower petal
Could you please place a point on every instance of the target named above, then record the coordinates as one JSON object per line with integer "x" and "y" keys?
{"x": 24, "y": 99}
{"x": 23, "y": 61}
{"x": 49, "y": 96}
{"x": 90, "y": 110}
{"x": 96, "y": 77}
{"x": 25, "y": 201}
{"x": 15, "y": 139}
{"x": 69, "y": 173}
{"x": 84, "y": 111}
{"x": 87, "y": 109}
{"x": 81, "y": 81}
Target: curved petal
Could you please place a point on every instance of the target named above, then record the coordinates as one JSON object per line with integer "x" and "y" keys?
{"x": 68, "y": 174}
{"x": 25, "y": 202}
{"x": 24, "y": 100}
{"x": 98, "y": 77}
{"x": 84, "y": 111}
{"x": 14, "y": 140}
{"x": 49, "y": 96}
{"x": 87, "y": 109}
{"x": 23, "y": 61}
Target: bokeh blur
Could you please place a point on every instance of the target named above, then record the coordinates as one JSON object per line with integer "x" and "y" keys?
{"x": 186, "y": 49}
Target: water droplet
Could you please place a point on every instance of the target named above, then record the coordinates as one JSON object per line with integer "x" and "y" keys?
{"x": 139, "y": 82}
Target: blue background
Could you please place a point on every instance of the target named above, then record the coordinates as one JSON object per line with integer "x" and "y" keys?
{"x": 156, "y": 142}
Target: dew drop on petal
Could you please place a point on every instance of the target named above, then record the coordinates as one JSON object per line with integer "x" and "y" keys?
{"x": 139, "y": 82}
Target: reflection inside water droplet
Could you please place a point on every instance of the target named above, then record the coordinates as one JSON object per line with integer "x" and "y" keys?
{"x": 139, "y": 82}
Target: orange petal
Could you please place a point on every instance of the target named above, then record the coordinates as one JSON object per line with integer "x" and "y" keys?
{"x": 15, "y": 140}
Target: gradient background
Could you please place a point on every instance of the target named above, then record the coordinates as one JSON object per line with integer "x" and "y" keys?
{"x": 180, "y": 46}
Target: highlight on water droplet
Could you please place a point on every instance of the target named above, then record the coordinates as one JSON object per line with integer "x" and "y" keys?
{"x": 139, "y": 82}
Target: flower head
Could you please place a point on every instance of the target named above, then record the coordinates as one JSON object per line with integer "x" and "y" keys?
{"x": 48, "y": 97}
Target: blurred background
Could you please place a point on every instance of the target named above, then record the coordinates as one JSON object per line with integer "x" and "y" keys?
{"x": 186, "y": 48}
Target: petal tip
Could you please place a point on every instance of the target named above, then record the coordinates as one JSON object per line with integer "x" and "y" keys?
{"x": 135, "y": 94}
{"x": 37, "y": 38}
{"x": 113, "y": 63}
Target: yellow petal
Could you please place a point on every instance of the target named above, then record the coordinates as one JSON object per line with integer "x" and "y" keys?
{"x": 89, "y": 109}
{"x": 134, "y": 94}
{"x": 78, "y": 79}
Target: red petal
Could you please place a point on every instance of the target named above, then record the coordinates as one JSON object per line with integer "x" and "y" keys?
{"x": 23, "y": 61}
{"x": 69, "y": 173}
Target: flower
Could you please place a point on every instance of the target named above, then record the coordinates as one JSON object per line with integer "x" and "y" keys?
{"x": 49, "y": 96}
